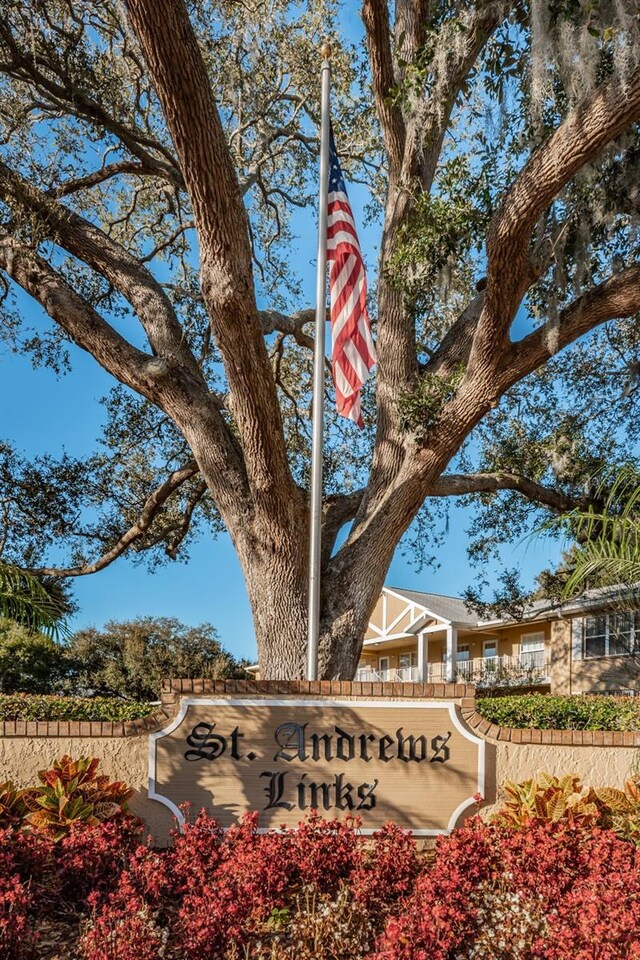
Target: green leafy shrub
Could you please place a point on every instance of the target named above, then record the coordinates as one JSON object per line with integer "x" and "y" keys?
{"x": 26, "y": 706}
{"x": 543, "y": 712}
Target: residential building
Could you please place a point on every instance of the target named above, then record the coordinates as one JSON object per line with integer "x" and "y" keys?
{"x": 583, "y": 646}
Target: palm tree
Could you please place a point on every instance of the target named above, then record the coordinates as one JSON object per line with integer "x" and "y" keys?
{"x": 25, "y": 599}
{"x": 607, "y": 536}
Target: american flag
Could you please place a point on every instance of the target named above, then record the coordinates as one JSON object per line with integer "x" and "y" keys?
{"x": 353, "y": 350}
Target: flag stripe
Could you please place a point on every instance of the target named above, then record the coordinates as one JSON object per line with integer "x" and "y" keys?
{"x": 353, "y": 351}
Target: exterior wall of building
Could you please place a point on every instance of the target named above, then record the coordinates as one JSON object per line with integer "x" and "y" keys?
{"x": 509, "y": 642}
{"x": 560, "y": 657}
{"x": 600, "y": 674}
{"x": 376, "y": 618}
{"x": 567, "y": 674}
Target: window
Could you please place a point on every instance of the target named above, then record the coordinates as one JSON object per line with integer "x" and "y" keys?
{"x": 532, "y": 650}
{"x": 407, "y": 660}
{"x": 463, "y": 651}
{"x": 609, "y": 635}
{"x": 490, "y": 648}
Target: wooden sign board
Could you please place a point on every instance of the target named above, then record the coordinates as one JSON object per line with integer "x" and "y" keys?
{"x": 414, "y": 763}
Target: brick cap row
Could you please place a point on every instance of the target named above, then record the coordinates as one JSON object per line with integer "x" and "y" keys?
{"x": 562, "y": 738}
{"x": 344, "y": 688}
{"x": 173, "y": 690}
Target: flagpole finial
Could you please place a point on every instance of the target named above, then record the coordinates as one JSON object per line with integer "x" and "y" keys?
{"x": 325, "y": 50}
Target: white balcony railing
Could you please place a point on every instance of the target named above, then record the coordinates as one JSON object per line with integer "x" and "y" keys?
{"x": 400, "y": 675}
{"x": 518, "y": 670}
{"x": 523, "y": 668}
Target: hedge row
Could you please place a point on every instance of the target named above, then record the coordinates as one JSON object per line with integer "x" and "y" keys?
{"x": 27, "y": 706}
{"x": 537, "y": 711}
{"x": 540, "y": 711}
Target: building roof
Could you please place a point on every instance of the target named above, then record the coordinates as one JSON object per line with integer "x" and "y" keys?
{"x": 453, "y": 609}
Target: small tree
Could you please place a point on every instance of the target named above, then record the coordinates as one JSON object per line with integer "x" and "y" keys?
{"x": 131, "y": 658}
{"x": 29, "y": 662}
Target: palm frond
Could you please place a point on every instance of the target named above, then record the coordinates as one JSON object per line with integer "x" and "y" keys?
{"x": 24, "y": 599}
{"x": 608, "y": 538}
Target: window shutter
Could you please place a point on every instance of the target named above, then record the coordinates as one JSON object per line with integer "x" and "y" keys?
{"x": 576, "y": 638}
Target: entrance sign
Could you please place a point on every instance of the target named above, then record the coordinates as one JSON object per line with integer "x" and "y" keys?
{"x": 414, "y": 763}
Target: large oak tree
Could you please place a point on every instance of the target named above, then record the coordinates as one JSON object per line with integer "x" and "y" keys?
{"x": 153, "y": 158}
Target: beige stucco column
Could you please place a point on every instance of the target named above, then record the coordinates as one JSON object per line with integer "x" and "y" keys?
{"x": 560, "y": 657}
{"x": 450, "y": 654}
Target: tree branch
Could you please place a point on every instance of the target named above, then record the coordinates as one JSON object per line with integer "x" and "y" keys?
{"x": 179, "y": 74}
{"x": 375, "y": 15}
{"x": 77, "y": 318}
{"x": 457, "y": 485}
{"x": 193, "y": 501}
{"x": 127, "y": 274}
{"x": 587, "y": 130}
{"x": 424, "y": 141}
{"x": 152, "y": 507}
{"x": 615, "y": 298}
{"x": 96, "y": 177}
{"x": 337, "y": 510}
{"x": 62, "y": 94}
{"x": 456, "y": 344}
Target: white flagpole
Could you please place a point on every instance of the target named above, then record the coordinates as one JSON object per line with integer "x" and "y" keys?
{"x": 318, "y": 376}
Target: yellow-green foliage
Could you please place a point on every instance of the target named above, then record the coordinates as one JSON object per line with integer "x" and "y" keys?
{"x": 553, "y": 799}
{"x": 70, "y": 793}
{"x": 547, "y": 798}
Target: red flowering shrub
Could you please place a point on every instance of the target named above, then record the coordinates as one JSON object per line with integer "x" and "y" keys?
{"x": 16, "y": 942}
{"x": 590, "y": 885}
{"x": 324, "y": 852}
{"x": 89, "y": 857}
{"x": 439, "y": 916}
{"x": 503, "y": 890}
{"x": 122, "y": 929}
{"x": 31, "y": 857}
{"x": 388, "y": 869}
{"x": 195, "y": 853}
{"x": 543, "y": 892}
{"x": 245, "y": 882}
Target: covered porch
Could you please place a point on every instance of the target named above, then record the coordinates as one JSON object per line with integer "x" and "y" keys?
{"x": 505, "y": 670}
{"x": 424, "y": 638}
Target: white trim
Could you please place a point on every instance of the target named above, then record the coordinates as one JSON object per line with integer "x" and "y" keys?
{"x": 406, "y": 610}
{"x": 436, "y": 616}
{"x": 406, "y": 636}
{"x": 451, "y": 654}
{"x": 187, "y": 702}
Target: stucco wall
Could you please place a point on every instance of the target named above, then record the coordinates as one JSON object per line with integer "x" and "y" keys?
{"x": 596, "y": 766}
{"x": 598, "y": 758}
{"x": 121, "y": 758}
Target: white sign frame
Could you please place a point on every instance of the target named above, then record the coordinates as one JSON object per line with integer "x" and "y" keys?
{"x": 448, "y": 705}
